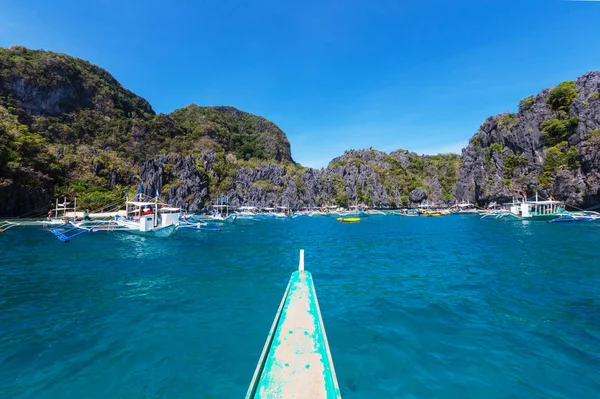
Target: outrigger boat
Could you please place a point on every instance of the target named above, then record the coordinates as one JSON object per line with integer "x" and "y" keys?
{"x": 219, "y": 214}
{"x": 427, "y": 209}
{"x": 247, "y": 214}
{"x": 148, "y": 217}
{"x": 529, "y": 209}
{"x": 464, "y": 208}
{"x": 60, "y": 214}
{"x": 296, "y": 361}
{"x": 280, "y": 212}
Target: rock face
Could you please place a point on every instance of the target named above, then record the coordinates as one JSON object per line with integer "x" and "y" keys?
{"x": 68, "y": 128}
{"x": 359, "y": 176}
{"x": 188, "y": 184}
{"x": 544, "y": 147}
{"x": 417, "y": 196}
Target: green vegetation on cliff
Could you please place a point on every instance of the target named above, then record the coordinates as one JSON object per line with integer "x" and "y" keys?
{"x": 526, "y": 104}
{"x": 25, "y": 159}
{"x": 557, "y": 130}
{"x": 230, "y": 130}
{"x": 559, "y": 157}
{"x": 562, "y": 96}
{"x": 65, "y": 120}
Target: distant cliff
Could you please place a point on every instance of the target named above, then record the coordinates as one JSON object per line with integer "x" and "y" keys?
{"x": 368, "y": 176}
{"x": 552, "y": 145}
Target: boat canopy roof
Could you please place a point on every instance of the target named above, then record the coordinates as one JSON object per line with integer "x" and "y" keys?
{"x": 169, "y": 209}
{"x": 247, "y": 207}
{"x": 547, "y": 202}
{"x": 534, "y": 202}
{"x": 140, "y": 203}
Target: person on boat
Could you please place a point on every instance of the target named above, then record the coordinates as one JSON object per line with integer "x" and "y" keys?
{"x": 49, "y": 215}
{"x": 86, "y": 215}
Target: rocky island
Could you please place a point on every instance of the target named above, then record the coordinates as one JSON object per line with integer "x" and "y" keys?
{"x": 68, "y": 128}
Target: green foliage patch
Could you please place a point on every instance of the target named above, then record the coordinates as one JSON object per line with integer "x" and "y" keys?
{"x": 558, "y": 157}
{"x": 562, "y": 96}
{"x": 557, "y": 130}
{"x": 526, "y": 104}
{"x": 509, "y": 120}
{"x": 511, "y": 162}
{"x": 476, "y": 141}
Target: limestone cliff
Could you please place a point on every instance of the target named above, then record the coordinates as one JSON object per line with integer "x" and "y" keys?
{"x": 551, "y": 145}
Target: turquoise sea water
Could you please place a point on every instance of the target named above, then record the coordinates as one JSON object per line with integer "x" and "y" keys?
{"x": 450, "y": 307}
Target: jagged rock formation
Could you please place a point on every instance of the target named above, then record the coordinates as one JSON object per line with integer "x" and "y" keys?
{"x": 68, "y": 128}
{"x": 178, "y": 179}
{"x": 551, "y": 145}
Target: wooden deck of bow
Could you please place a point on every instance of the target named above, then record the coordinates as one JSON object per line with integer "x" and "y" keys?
{"x": 296, "y": 361}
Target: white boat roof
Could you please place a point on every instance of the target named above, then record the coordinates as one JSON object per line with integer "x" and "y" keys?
{"x": 138, "y": 203}
{"x": 169, "y": 209}
{"x": 534, "y": 202}
{"x": 247, "y": 207}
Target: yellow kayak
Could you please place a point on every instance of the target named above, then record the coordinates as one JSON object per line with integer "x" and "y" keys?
{"x": 348, "y": 220}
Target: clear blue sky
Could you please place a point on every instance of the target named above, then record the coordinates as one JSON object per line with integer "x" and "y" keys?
{"x": 334, "y": 75}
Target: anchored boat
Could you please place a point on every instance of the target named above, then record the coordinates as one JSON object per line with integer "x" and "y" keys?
{"x": 529, "y": 209}
{"x": 464, "y": 208}
{"x": 62, "y": 213}
{"x": 149, "y": 217}
{"x": 296, "y": 361}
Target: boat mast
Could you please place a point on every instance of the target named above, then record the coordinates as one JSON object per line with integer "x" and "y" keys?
{"x": 156, "y": 209}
